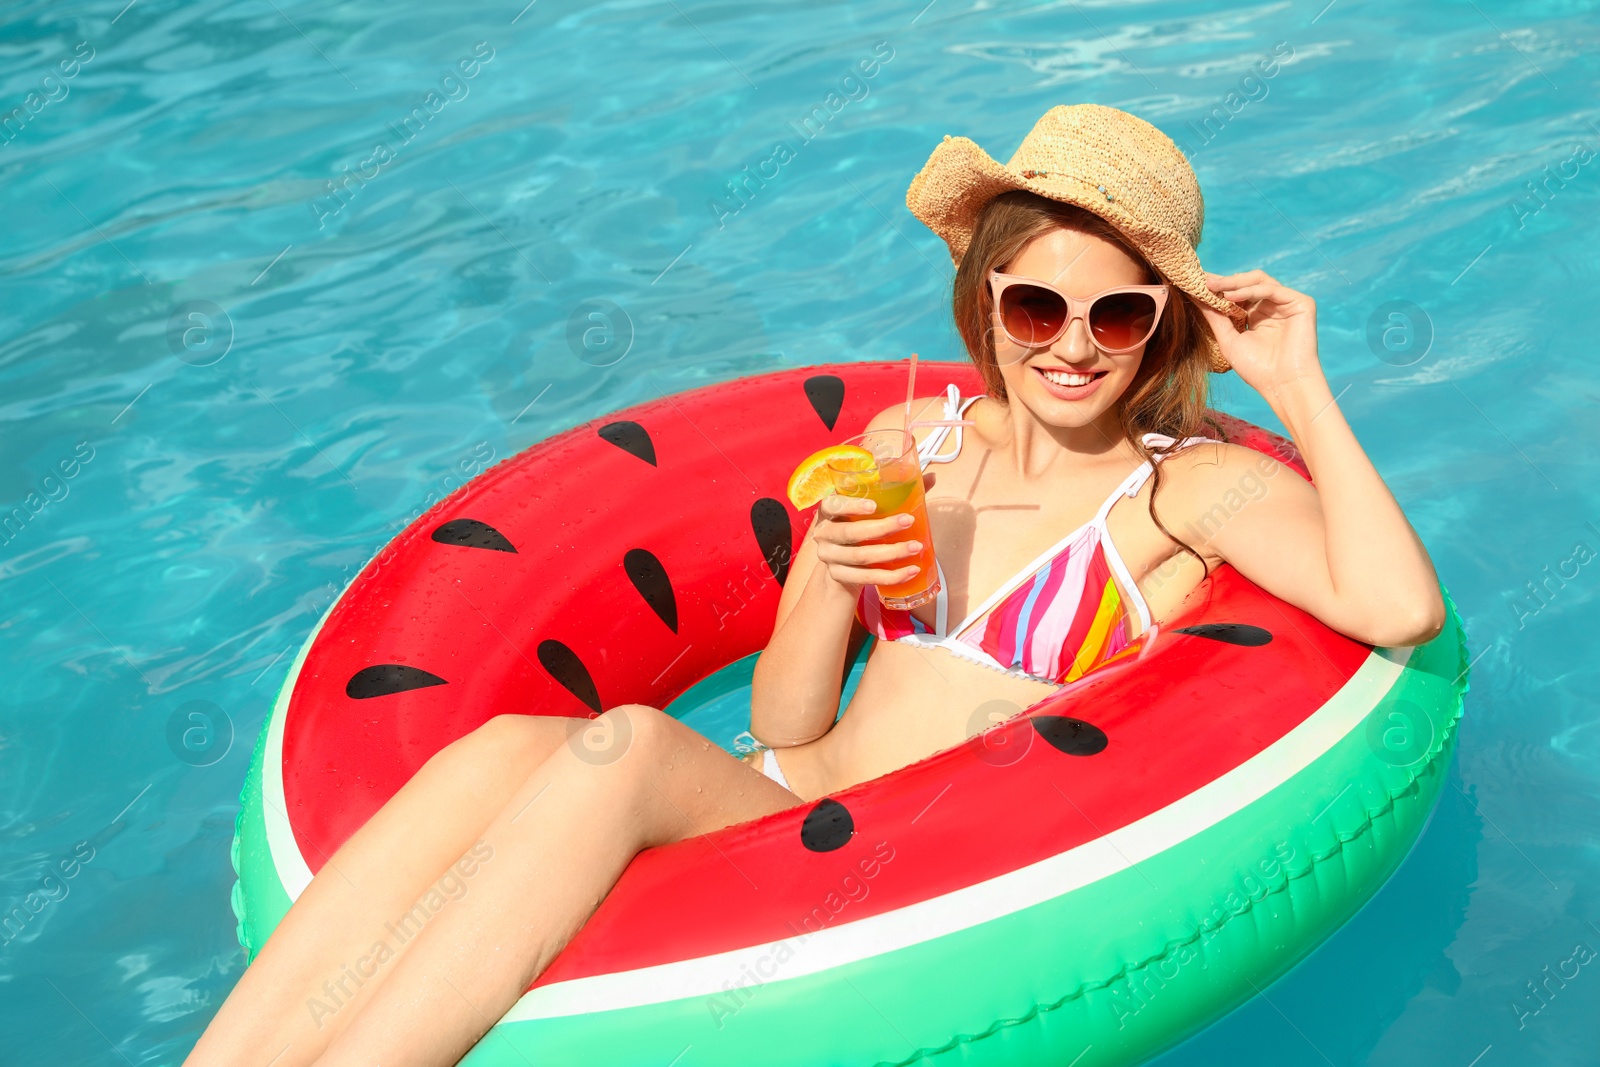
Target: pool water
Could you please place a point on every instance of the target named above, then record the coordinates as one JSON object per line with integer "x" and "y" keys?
{"x": 281, "y": 274}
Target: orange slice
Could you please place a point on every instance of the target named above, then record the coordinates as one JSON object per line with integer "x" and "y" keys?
{"x": 811, "y": 480}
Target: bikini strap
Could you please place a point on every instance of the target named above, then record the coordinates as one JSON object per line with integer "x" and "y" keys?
{"x": 1134, "y": 482}
{"x": 954, "y": 408}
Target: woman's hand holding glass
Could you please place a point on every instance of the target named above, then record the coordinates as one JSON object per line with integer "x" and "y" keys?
{"x": 843, "y": 523}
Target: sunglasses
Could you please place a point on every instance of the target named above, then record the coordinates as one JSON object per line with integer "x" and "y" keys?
{"x": 1034, "y": 313}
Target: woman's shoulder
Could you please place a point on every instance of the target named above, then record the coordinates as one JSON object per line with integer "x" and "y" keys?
{"x": 1203, "y": 471}
{"x": 1208, "y": 456}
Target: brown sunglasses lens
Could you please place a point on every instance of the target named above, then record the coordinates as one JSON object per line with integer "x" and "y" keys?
{"x": 1031, "y": 315}
{"x": 1122, "y": 320}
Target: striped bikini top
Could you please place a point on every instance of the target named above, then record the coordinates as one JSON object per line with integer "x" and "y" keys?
{"x": 1057, "y": 619}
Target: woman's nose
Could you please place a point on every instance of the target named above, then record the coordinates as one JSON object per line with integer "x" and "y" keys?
{"x": 1075, "y": 344}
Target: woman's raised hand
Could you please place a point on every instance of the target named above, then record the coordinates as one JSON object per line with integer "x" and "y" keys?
{"x": 840, "y": 530}
{"x": 1279, "y": 348}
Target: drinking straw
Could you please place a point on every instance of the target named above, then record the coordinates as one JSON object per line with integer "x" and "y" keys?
{"x": 911, "y": 388}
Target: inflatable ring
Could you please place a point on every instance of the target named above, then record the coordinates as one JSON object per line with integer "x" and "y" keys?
{"x": 1087, "y": 882}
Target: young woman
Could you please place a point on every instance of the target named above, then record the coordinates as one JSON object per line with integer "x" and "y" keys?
{"x": 1084, "y": 306}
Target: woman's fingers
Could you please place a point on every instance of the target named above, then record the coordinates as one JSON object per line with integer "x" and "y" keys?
{"x": 841, "y": 539}
{"x": 1255, "y": 287}
{"x": 1223, "y": 281}
{"x": 1257, "y": 300}
{"x": 844, "y": 507}
{"x": 1262, "y": 296}
{"x": 1278, "y": 294}
{"x": 872, "y": 576}
{"x": 854, "y": 533}
{"x": 866, "y": 555}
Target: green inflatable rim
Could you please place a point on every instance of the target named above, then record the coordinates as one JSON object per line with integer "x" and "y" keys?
{"x": 1262, "y": 888}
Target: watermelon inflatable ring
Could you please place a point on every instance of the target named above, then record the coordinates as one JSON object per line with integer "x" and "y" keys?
{"x": 1086, "y": 883}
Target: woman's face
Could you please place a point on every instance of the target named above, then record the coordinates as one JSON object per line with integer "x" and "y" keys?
{"x": 1070, "y": 383}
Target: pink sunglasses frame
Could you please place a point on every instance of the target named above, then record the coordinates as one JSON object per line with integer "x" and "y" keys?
{"x": 1076, "y": 309}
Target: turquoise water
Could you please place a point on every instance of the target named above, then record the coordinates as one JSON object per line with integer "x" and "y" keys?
{"x": 224, "y": 387}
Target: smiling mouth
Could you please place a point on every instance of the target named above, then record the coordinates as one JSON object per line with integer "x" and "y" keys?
{"x": 1069, "y": 378}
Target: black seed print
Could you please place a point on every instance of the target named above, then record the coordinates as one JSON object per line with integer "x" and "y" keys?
{"x": 769, "y": 520}
{"x": 1232, "y": 633}
{"x": 631, "y": 438}
{"x": 384, "y": 679}
{"x": 827, "y": 826}
{"x": 650, "y": 578}
{"x": 470, "y": 533}
{"x": 826, "y": 393}
{"x": 1072, "y": 736}
{"x": 565, "y": 667}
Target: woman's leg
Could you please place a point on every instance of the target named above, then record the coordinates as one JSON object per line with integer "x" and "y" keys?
{"x": 319, "y": 966}
{"x": 557, "y": 849}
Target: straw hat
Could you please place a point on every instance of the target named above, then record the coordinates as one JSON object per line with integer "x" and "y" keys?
{"x": 1100, "y": 158}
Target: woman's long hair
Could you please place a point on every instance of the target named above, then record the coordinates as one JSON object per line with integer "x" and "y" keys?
{"x": 1166, "y": 396}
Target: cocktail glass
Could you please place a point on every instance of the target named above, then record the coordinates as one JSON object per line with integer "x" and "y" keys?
{"x": 893, "y": 482}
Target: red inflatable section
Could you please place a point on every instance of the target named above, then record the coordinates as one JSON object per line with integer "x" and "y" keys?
{"x": 627, "y": 558}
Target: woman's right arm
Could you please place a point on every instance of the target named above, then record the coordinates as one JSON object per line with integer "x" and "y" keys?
{"x": 794, "y": 694}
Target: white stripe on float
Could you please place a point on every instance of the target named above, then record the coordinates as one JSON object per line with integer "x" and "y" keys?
{"x": 285, "y": 851}
{"x": 996, "y": 898}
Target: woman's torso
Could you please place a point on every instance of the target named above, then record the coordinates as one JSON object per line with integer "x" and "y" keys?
{"x": 988, "y": 525}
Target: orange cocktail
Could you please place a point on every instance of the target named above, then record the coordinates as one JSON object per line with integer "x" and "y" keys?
{"x": 893, "y": 481}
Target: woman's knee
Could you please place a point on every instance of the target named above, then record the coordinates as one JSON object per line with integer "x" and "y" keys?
{"x": 516, "y": 742}
{"x": 626, "y": 735}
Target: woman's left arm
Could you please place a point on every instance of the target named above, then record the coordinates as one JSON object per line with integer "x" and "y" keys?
{"x": 1344, "y": 550}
